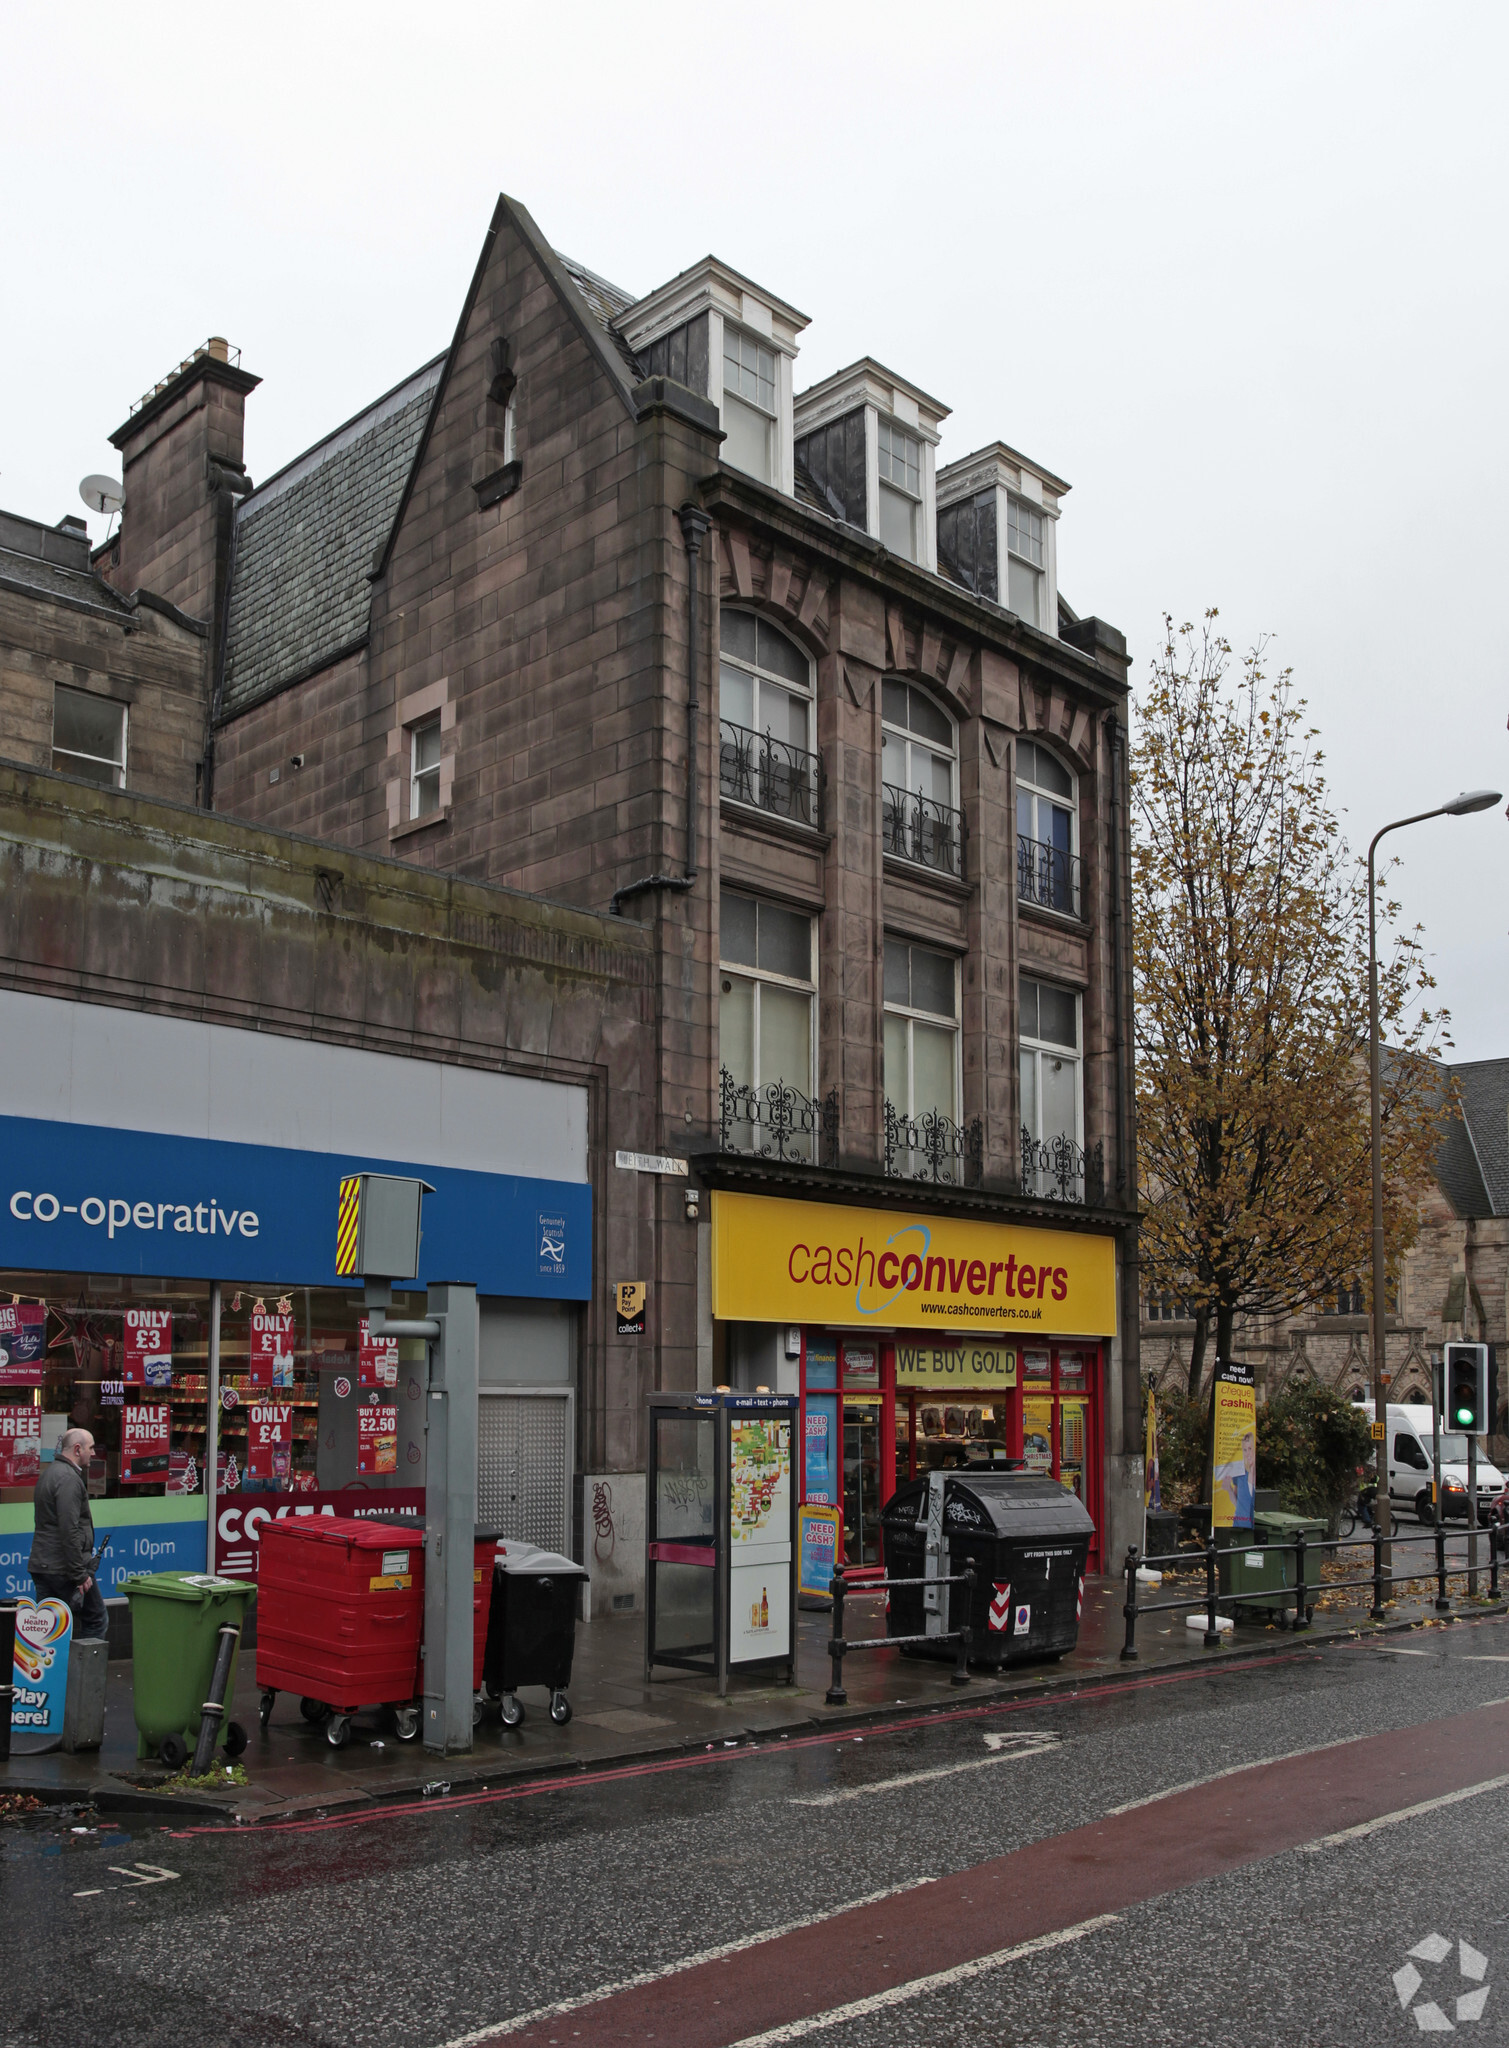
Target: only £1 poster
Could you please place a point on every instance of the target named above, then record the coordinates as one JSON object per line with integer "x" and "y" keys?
{"x": 271, "y": 1350}
{"x": 1233, "y": 1452}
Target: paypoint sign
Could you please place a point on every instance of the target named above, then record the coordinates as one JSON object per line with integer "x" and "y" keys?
{"x": 776, "y": 1261}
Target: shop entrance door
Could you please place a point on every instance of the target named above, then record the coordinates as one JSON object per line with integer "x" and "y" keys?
{"x": 862, "y": 1479}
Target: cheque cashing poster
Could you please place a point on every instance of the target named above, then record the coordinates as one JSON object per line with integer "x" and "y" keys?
{"x": 1233, "y": 1447}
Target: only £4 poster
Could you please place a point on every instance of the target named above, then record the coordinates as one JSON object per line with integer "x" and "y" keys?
{"x": 1233, "y": 1447}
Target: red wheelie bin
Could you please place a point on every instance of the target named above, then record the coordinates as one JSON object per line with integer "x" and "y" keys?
{"x": 340, "y": 1615}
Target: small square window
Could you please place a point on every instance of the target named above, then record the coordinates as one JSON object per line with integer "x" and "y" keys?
{"x": 424, "y": 773}
{"x": 1024, "y": 533}
{"x": 89, "y": 736}
{"x": 749, "y": 369}
{"x": 900, "y": 457}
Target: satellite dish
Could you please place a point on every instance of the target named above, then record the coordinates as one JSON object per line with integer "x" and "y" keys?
{"x": 102, "y": 494}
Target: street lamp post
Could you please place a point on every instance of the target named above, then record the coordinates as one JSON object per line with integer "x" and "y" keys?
{"x": 1459, "y": 807}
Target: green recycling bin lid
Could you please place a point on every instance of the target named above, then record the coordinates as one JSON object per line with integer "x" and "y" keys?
{"x": 184, "y": 1585}
{"x": 1271, "y": 1522}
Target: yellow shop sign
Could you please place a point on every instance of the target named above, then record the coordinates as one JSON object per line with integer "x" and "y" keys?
{"x": 971, "y": 1364}
{"x": 777, "y": 1261}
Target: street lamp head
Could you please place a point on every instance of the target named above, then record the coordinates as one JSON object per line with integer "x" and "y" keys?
{"x": 1472, "y": 800}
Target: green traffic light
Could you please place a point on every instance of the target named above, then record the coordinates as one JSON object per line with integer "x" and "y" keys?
{"x": 1464, "y": 1416}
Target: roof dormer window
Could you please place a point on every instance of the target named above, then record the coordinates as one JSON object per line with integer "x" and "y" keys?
{"x": 1026, "y": 561}
{"x": 899, "y": 462}
{"x": 749, "y": 404}
{"x": 997, "y": 519}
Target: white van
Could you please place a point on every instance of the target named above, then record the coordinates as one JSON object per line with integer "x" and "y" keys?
{"x": 1409, "y": 1465}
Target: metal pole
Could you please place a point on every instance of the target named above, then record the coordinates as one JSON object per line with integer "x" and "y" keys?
{"x": 212, "y": 1430}
{"x": 1129, "y": 1647}
{"x": 1212, "y": 1633}
{"x": 961, "y": 1663}
{"x": 1472, "y": 1517}
{"x": 450, "y": 1519}
{"x": 1300, "y": 1588}
{"x": 1443, "y": 1605}
{"x": 1384, "y": 1506}
{"x": 1377, "y": 1609}
{"x": 835, "y": 1695}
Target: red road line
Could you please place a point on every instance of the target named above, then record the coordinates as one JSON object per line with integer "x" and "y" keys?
{"x": 775, "y": 1746}
{"x": 1100, "y": 1868}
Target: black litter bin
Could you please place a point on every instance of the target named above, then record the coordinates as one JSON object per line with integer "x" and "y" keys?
{"x": 1028, "y": 1539}
{"x": 531, "y": 1628}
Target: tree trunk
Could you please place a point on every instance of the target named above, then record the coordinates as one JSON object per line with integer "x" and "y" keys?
{"x": 1197, "y": 1351}
{"x": 1225, "y": 1316}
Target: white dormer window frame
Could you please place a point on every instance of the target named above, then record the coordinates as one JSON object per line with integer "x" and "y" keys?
{"x": 1027, "y": 503}
{"x": 740, "y": 315}
{"x": 911, "y": 421}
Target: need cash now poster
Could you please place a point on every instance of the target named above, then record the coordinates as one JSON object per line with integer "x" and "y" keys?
{"x": 1233, "y": 1447}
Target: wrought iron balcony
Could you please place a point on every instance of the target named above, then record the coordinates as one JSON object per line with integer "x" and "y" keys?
{"x": 1047, "y": 876}
{"x": 770, "y": 774}
{"x": 933, "y": 1147}
{"x": 776, "y": 1121}
{"x": 1058, "y": 1170}
{"x": 919, "y": 829}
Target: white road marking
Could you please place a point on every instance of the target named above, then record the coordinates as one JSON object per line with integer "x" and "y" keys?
{"x": 1388, "y": 1650}
{"x": 1389, "y": 1820}
{"x": 1232, "y": 1770}
{"x": 139, "y": 1874}
{"x": 1479, "y": 1657}
{"x": 707, "y": 1955}
{"x": 1028, "y": 1743}
{"x": 919, "y": 1987}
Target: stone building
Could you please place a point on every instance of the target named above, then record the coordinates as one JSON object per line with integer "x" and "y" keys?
{"x": 1454, "y": 1286}
{"x": 600, "y": 606}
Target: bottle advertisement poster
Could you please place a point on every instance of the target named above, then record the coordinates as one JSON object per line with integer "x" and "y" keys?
{"x": 271, "y": 1359}
{"x": 20, "y": 1446}
{"x": 269, "y": 1440}
{"x": 376, "y": 1363}
{"x": 23, "y": 1344}
{"x": 377, "y": 1437}
{"x": 44, "y": 1630}
{"x": 145, "y": 1456}
{"x": 1233, "y": 1447}
{"x": 148, "y": 1351}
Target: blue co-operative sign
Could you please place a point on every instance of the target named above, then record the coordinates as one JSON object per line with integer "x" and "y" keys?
{"x": 82, "y": 1198}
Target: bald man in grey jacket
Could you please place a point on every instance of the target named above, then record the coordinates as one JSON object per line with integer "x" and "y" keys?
{"x": 62, "y": 1544}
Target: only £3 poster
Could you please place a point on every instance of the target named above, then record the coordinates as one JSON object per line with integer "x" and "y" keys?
{"x": 1233, "y": 1447}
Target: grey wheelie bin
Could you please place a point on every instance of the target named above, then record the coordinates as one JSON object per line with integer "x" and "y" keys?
{"x": 531, "y": 1628}
{"x": 1028, "y": 1539}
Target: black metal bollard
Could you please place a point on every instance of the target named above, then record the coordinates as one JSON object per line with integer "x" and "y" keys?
{"x": 1300, "y": 1588}
{"x": 1129, "y": 1647}
{"x": 214, "y": 1707}
{"x": 966, "y": 1633}
{"x": 1443, "y": 1605}
{"x": 1212, "y": 1633}
{"x": 1377, "y": 1610}
{"x": 835, "y": 1695}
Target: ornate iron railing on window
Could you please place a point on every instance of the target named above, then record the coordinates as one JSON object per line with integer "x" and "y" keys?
{"x": 1047, "y": 876}
{"x": 776, "y": 1121}
{"x": 1058, "y": 1170}
{"x": 918, "y": 829}
{"x": 770, "y": 774}
{"x": 933, "y": 1147}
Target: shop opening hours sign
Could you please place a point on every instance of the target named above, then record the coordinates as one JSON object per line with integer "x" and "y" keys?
{"x": 269, "y": 1439}
{"x": 148, "y": 1349}
{"x": 20, "y": 1446}
{"x": 377, "y": 1437}
{"x": 145, "y": 1456}
{"x": 271, "y": 1360}
{"x": 23, "y": 1344}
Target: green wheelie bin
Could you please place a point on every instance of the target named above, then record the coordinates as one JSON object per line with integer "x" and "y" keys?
{"x": 176, "y": 1618}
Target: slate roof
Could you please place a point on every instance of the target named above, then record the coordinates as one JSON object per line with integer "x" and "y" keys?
{"x": 307, "y": 537}
{"x": 606, "y": 303}
{"x": 1483, "y": 1087}
{"x": 53, "y": 562}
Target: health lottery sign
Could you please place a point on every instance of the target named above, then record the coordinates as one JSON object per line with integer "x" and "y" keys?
{"x": 778, "y": 1261}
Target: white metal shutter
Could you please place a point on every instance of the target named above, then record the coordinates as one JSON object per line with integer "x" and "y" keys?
{"x": 524, "y": 1458}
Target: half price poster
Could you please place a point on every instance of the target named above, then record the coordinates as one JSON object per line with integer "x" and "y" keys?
{"x": 148, "y": 1360}
{"x": 145, "y": 1455}
{"x": 377, "y": 1437}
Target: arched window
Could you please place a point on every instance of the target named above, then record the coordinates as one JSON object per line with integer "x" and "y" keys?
{"x": 919, "y": 772}
{"x": 765, "y": 711}
{"x": 1047, "y": 830}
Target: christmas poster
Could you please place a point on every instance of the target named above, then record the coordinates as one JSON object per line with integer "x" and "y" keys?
{"x": 23, "y": 1344}
{"x": 148, "y": 1348}
{"x": 271, "y": 1349}
{"x": 146, "y": 1459}
{"x": 377, "y": 1437}
{"x": 269, "y": 1439}
{"x": 376, "y": 1363}
{"x": 20, "y": 1445}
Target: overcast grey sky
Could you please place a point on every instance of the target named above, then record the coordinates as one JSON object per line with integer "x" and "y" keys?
{"x": 1237, "y": 272}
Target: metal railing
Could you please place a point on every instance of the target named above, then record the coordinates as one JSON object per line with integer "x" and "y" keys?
{"x": 1303, "y": 1591}
{"x": 933, "y": 1147}
{"x": 919, "y": 829}
{"x": 777, "y": 1121}
{"x": 1047, "y": 876}
{"x": 1059, "y": 1170}
{"x": 839, "y": 1647}
{"x": 770, "y": 774}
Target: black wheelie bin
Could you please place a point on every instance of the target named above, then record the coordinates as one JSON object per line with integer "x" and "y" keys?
{"x": 531, "y": 1628}
{"x": 1027, "y": 1538}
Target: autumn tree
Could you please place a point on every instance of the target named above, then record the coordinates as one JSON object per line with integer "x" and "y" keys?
{"x": 1251, "y": 965}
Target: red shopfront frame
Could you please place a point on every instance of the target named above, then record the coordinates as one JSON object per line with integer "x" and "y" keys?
{"x": 1063, "y": 1405}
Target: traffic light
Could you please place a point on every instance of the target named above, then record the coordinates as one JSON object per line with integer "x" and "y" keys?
{"x": 1466, "y": 1376}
